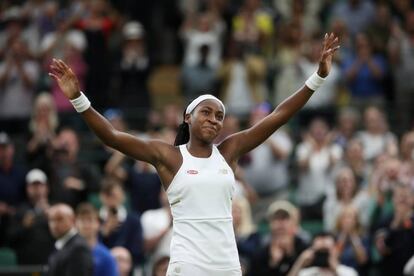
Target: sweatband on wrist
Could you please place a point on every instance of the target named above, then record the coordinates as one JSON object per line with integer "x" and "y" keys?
{"x": 314, "y": 81}
{"x": 81, "y": 103}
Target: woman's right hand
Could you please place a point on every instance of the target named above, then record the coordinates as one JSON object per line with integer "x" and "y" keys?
{"x": 65, "y": 78}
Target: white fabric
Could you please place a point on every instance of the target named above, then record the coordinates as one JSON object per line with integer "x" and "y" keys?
{"x": 326, "y": 95}
{"x": 121, "y": 213}
{"x": 200, "y": 196}
{"x": 60, "y": 243}
{"x": 239, "y": 98}
{"x": 16, "y": 99}
{"x": 315, "y": 181}
{"x": 81, "y": 103}
{"x": 341, "y": 270}
{"x": 314, "y": 81}
{"x": 185, "y": 269}
{"x": 265, "y": 173}
{"x": 201, "y": 98}
{"x": 154, "y": 222}
{"x": 375, "y": 144}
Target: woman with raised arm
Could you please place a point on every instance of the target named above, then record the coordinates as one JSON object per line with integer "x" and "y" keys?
{"x": 197, "y": 175}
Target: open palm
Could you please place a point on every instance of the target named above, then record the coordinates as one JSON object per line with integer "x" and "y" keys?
{"x": 330, "y": 45}
{"x": 65, "y": 78}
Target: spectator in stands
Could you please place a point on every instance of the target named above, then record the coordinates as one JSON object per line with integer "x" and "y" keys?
{"x": 12, "y": 183}
{"x": 119, "y": 226}
{"x": 87, "y": 223}
{"x": 69, "y": 45}
{"x": 286, "y": 62}
{"x": 123, "y": 259}
{"x": 346, "y": 126}
{"x": 347, "y": 193}
{"x": 353, "y": 247}
{"x": 407, "y": 158}
{"x": 242, "y": 79}
{"x": 72, "y": 180}
{"x": 401, "y": 57}
{"x": 43, "y": 124}
{"x": 284, "y": 247}
{"x": 321, "y": 259}
{"x": 385, "y": 176}
{"x": 131, "y": 74}
{"x": 16, "y": 27}
{"x": 200, "y": 77}
{"x": 97, "y": 24}
{"x": 354, "y": 159}
{"x": 253, "y": 27}
{"x": 266, "y": 167}
{"x": 73, "y": 256}
{"x": 29, "y": 234}
{"x": 201, "y": 29}
{"x": 356, "y": 14}
{"x": 18, "y": 77}
{"x": 316, "y": 157}
{"x": 375, "y": 137}
{"x": 395, "y": 241}
{"x": 365, "y": 73}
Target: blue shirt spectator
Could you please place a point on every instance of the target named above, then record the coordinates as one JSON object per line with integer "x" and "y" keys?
{"x": 104, "y": 263}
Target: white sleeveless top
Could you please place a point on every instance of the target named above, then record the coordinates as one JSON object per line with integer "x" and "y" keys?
{"x": 200, "y": 196}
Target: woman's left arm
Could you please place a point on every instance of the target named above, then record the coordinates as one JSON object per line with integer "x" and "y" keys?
{"x": 242, "y": 142}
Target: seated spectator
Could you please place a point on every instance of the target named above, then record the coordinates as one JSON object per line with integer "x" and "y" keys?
{"x": 354, "y": 159}
{"x": 321, "y": 259}
{"x": 375, "y": 137}
{"x": 347, "y": 193}
{"x": 346, "y": 126}
{"x": 72, "y": 180}
{"x": 316, "y": 156}
{"x": 353, "y": 247}
{"x": 119, "y": 226}
{"x": 383, "y": 180}
{"x": 123, "y": 259}
{"x": 29, "y": 234}
{"x": 12, "y": 183}
{"x": 284, "y": 247}
{"x": 87, "y": 223}
{"x": 395, "y": 240}
{"x": 72, "y": 255}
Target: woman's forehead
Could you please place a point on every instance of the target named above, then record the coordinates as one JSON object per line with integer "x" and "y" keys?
{"x": 215, "y": 105}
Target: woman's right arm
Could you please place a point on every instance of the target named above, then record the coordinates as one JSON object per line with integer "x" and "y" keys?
{"x": 148, "y": 151}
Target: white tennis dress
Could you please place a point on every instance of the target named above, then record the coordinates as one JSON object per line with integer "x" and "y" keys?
{"x": 200, "y": 196}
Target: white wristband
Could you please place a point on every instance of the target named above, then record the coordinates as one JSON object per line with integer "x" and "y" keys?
{"x": 81, "y": 103}
{"x": 314, "y": 81}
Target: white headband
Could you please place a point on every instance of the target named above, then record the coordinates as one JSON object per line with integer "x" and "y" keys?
{"x": 201, "y": 98}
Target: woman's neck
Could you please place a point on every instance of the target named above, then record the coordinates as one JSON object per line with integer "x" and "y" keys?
{"x": 198, "y": 149}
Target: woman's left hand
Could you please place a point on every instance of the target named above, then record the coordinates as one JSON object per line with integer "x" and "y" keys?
{"x": 330, "y": 45}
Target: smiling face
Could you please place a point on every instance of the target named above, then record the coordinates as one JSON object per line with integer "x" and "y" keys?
{"x": 206, "y": 121}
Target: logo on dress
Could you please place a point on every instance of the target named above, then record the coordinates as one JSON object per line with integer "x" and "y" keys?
{"x": 192, "y": 172}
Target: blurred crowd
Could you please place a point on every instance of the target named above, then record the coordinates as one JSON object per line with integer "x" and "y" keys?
{"x": 330, "y": 192}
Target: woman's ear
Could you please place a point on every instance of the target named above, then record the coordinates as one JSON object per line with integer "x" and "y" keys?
{"x": 187, "y": 118}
